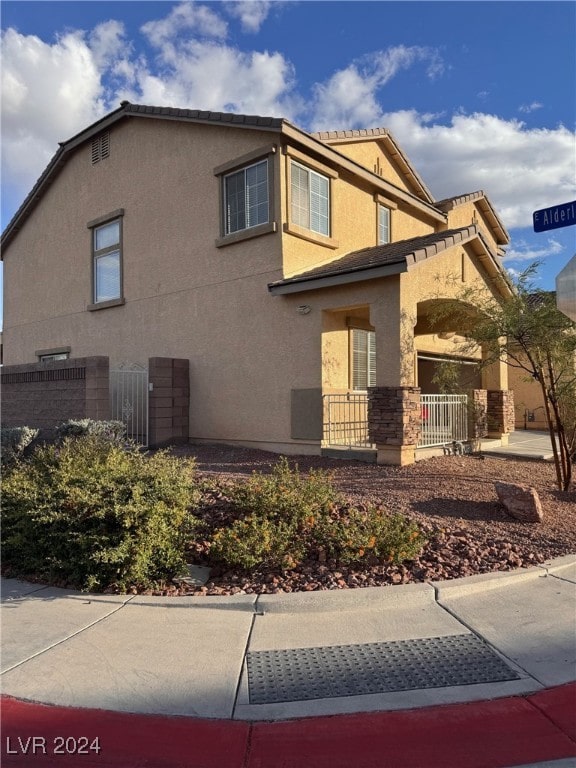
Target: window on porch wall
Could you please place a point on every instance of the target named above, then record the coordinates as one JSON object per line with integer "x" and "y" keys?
{"x": 363, "y": 359}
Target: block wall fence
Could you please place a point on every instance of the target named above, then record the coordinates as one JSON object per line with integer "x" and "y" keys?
{"x": 43, "y": 395}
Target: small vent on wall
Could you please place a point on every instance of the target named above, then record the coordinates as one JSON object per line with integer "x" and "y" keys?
{"x": 100, "y": 147}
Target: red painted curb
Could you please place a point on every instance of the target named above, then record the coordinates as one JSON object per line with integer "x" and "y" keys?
{"x": 485, "y": 734}
{"x": 125, "y": 740}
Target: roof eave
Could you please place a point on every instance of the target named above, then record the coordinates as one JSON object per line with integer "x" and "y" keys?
{"x": 333, "y": 138}
{"x": 300, "y": 285}
{"x": 327, "y": 151}
{"x": 125, "y": 110}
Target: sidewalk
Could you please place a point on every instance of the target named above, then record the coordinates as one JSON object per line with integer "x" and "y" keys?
{"x": 523, "y": 444}
{"x": 477, "y": 672}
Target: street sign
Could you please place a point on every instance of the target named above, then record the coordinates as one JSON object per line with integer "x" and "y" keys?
{"x": 557, "y": 216}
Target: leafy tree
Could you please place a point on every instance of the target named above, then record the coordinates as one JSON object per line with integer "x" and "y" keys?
{"x": 526, "y": 331}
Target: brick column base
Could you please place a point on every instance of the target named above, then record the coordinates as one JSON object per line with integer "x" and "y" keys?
{"x": 479, "y": 416}
{"x": 394, "y": 423}
{"x": 500, "y": 411}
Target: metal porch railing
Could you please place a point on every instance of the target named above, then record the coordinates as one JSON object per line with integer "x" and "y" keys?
{"x": 346, "y": 420}
{"x": 444, "y": 419}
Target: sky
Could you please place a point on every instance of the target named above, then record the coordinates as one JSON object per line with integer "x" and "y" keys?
{"x": 479, "y": 95}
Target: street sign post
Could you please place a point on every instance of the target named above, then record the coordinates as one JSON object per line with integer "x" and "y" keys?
{"x": 554, "y": 217}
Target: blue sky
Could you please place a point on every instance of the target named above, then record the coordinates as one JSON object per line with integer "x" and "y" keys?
{"x": 480, "y": 95}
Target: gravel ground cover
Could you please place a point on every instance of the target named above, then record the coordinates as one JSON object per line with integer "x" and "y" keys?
{"x": 452, "y": 498}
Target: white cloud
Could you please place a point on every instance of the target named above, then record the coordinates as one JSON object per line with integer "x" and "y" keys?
{"x": 107, "y": 42}
{"x": 520, "y": 169}
{"x": 49, "y": 92}
{"x": 205, "y": 75}
{"x": 349, "y": 98}
{"x": 252, "y": 13}
{"x": 524, "y": 251}
{"x": 52, "y": 91}
{"x": 184, "y": 19}
{"x": 527, "y": 108}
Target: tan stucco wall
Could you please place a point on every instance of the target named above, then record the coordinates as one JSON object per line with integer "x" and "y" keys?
{"x": 354, "y": 221}
{"x": 372, "y": 155}
{"x": 186, "y": 298}
{"x": 462, "y": 215}
{"x": 527, "y": 397}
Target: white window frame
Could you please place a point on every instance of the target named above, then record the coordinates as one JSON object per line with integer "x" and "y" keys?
{"x": 106, "y": 252}
{"x": 307, "y": 200}
{"x": 252, "y": 213}
{"x": 362, "y": 359}
{"x": 384, "y": 217}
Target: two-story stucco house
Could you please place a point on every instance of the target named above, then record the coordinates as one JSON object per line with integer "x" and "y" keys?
{"x": 288, "y": 268}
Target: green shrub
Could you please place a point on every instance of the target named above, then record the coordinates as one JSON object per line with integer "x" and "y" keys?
{"x": 276, "y": 510}
{"x": 285, "y": 493}
{"x": 115, "y": 431}
{"x": 92, "y": 514}
{"x": 371, "y": 535}
{"x": 14, "y": 441}
{"x": 286, "y": 517}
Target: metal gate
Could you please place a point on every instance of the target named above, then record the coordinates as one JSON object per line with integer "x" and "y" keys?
{"x": 444, "y": 419}
{"x": 129, "y": 400}
{"x": 346, "y": 420}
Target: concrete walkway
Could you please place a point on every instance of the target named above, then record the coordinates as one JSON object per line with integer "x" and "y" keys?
{"x": 477, "y": 672}
{"x": 523, "y": 444}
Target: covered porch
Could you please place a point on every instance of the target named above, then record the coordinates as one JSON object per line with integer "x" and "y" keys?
{"x": 383, "y": 345}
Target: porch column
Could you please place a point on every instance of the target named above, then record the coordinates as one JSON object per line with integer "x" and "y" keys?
{"x": 394, "y": 423}
{"x": 500, "y": 413}
{"x": 500, "y": 401}
{"x": 479, "y": 426}
{"x": 394, "y": 417}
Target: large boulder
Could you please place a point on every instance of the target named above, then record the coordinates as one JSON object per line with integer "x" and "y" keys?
{"x": 521, "y": 502}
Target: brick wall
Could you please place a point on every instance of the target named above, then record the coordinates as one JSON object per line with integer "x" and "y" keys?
{"x": 394, "y": 416}
{"x": 169, "y": 400}
{"x": 501, "y": 411}
{"x": 479, "y": 416}
{"x": 43, "y": 395}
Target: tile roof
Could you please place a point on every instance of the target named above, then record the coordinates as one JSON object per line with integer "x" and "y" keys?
{"x": 199, "y": 114}
{"x": 399, "y": 253}
{"x": 451, "y": 202}
{"x": 485, "y": 205}
{"x": 361, "y": 133}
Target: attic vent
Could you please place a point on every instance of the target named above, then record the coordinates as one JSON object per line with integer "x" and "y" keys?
{"x": 100, "y": 147}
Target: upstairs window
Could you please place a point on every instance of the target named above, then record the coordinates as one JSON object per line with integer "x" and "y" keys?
{"x": 246, "y": 198}
{"x": 363, "y": 359}
{"x": 383, "y": 225}
{"x": 310, "y": 194}
{"x": 107, "y": 264}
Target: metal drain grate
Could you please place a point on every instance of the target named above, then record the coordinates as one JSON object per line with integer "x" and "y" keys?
{"x": 299, "y": 674}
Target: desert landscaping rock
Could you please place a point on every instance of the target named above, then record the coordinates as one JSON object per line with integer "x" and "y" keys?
{"x": 452, "y": 498}
{"x": 521, "y": 502}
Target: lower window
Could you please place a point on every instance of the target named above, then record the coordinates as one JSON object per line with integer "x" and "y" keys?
{"x": 363, "y": 359}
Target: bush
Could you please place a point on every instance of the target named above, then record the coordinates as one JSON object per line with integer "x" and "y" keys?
{"x": 115, "y": 431}
{"x": 93, "y": 514}
{"x": 373, "y": 535}
{"x": 287, "y": 517}
{"x": 275, "y": 511}
{"x": 14, "y": 441}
